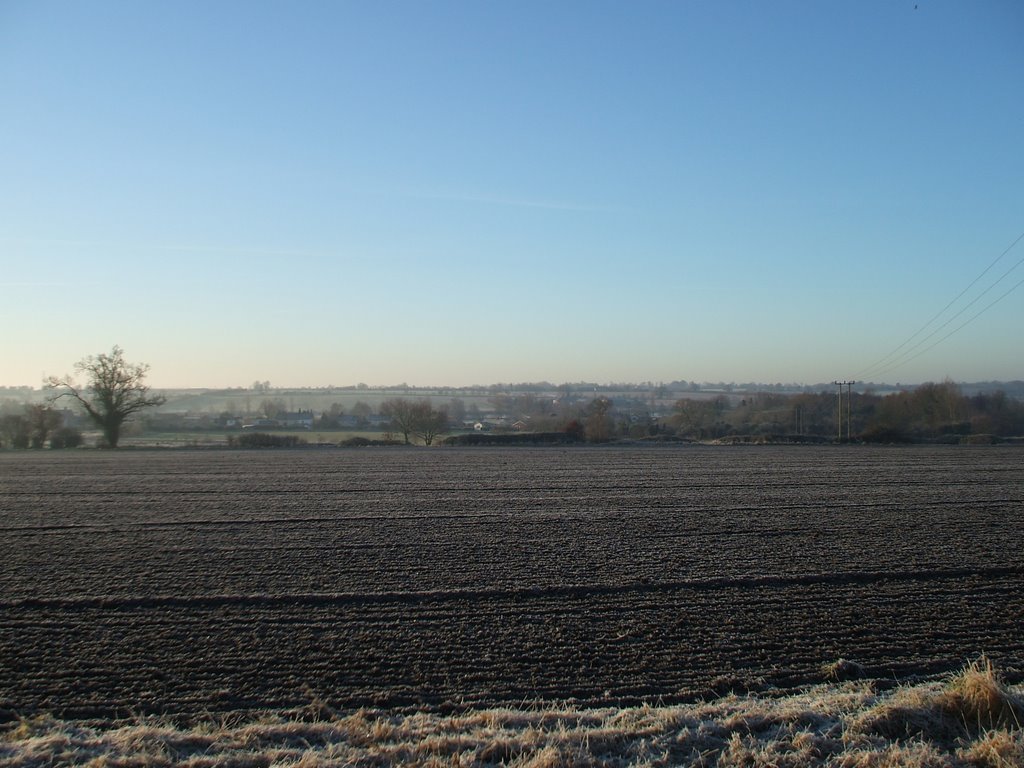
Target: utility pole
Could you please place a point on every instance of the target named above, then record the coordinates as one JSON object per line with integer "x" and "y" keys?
{"x": 839, "y": 412}
{"x": 849, "y": 400}
{"x": 849, "y": 410}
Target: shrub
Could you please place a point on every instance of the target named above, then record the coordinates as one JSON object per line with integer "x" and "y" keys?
{"x": 516, "y": 438}
{"x": 883, "y": 434}
{"x": 66, "y": 437}
{"x": 263, "y": 440}
{"x": 979, "y": 440}
{"x": 574, "y": 430}
{"x": 363, "y": 442}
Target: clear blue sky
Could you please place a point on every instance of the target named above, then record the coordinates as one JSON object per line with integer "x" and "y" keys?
{"x": 318, "y": 193}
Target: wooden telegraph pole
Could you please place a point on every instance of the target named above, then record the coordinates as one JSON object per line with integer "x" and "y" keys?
{"x": 849, "y": 411}
{"x": 849, "y": 401}
{"x": 839, "y": 412}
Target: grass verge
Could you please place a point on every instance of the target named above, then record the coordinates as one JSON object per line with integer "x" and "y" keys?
{"x": 970, "y": 719}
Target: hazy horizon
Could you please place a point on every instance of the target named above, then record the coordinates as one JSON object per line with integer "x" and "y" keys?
{"x": 449, "y": 193}
{"x": 698, "y": 386}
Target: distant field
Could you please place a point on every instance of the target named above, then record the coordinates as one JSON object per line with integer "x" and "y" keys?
{"x": 215, "y": 581}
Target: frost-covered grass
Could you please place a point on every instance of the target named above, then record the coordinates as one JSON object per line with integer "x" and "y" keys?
{"x": 970, "y": 719}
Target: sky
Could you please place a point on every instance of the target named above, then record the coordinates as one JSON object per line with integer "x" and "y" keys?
{"x": 456, "y": 193}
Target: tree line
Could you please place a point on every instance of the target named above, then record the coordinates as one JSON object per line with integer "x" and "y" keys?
{"x": 113, "y": 391}
{"x": 931, "y": 411}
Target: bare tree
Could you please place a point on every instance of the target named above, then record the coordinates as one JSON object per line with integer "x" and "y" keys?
{"x": 42, "y": 420}
{"x": 429, "y": 423}
{"x": 419, "y": 418}
{"x": 457, "y": 410}
{"x": 15, "y": 431}
{"x": 271, "y": 407}
{"x": 402, "y": 414}
{"x": 599, "y": 421}
{"x": 113, "y": 391}
{"x": 362, "y": 413}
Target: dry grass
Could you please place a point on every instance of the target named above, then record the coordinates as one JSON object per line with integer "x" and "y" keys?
{"x": 843, "y": 669}
{"x": 971, "y": 703}
{"x": 972, "y": 719}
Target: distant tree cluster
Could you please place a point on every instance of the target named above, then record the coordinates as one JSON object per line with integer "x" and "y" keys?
{"x": 36, "y": 426}
{"x": 928, "y": 412}
{"x": 415, "y": 418}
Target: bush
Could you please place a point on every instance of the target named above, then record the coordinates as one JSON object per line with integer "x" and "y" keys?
{"x": 979, "y": 440}
{"x": 263, "y": 440}
{"x": 881, "y": 434}
{"x": 515, "y": 438}
{"x": 66, "y": 437}
{"x": 363, "y": 442}
{"x": 356, "y": 442}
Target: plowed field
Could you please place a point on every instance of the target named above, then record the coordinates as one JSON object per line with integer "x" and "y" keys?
{"x": 209, "y": 581}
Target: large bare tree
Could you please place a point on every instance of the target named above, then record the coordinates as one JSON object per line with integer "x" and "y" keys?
{"x": 114, "y": 389}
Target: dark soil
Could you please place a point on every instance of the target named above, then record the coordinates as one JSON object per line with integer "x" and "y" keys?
{"x": 192, "y": 582}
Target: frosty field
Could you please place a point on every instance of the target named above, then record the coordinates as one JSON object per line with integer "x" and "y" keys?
{"x": 197, "y": 582}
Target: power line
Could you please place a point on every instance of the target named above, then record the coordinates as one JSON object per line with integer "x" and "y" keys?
{"x": 907, "y": 356}
{"x": 966, "y": 322}
{"x": 889, "y": 361}
{"x": 899, "y": 356}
